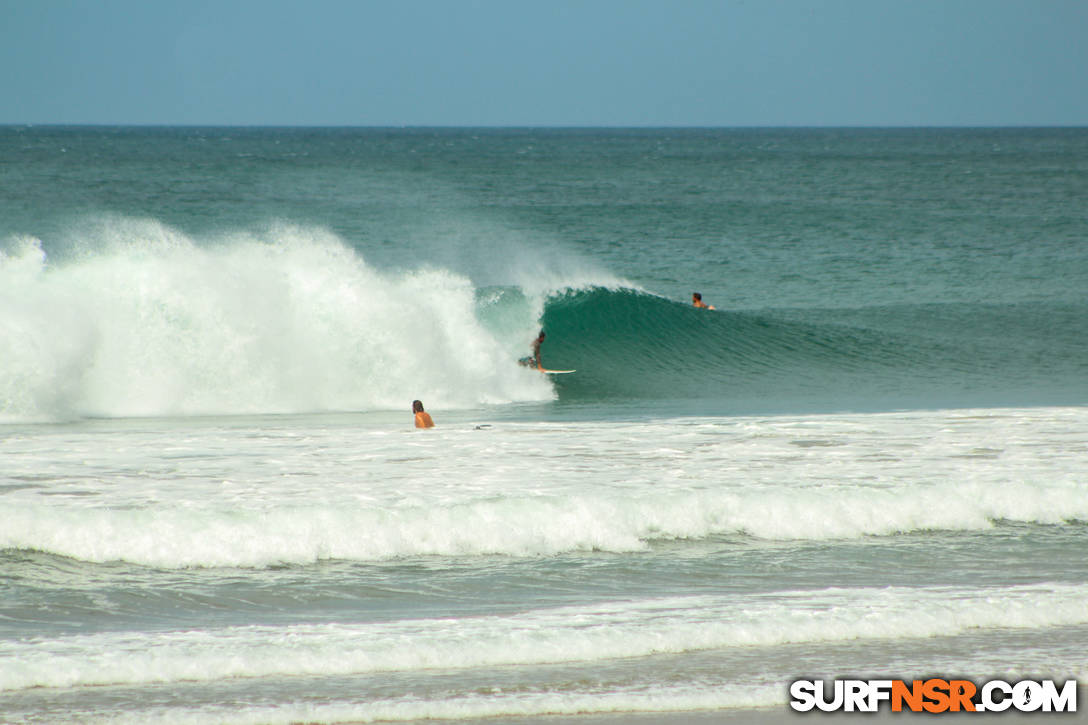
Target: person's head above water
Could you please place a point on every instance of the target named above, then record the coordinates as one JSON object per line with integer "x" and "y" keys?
{"x": 423, "y": 419}
{"x": 696, "y": 296}
{"x": 541, "y": 336}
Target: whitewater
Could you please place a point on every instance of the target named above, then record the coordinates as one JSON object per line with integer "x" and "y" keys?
{"x": 869, "y": 459}
{"x": 151, "y": 323}
{"x": 358, "y": 490}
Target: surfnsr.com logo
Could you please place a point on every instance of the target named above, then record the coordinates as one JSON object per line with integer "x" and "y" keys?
{"x": 934, "y": 695}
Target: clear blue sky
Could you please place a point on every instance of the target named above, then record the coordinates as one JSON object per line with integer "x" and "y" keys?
{"x": 545, "y": 63}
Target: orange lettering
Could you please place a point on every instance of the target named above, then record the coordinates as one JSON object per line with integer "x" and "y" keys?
{"x": 911, "y": 695}
{"x": 961, "y": 693}
{"x": 936, "y": 691}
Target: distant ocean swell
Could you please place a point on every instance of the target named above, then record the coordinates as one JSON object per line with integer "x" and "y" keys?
{"x": 523, "y": 525}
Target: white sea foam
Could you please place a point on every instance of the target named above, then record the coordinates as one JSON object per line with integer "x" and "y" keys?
{"x": 302, "y": 533}
{"x": 254, "y": 497}
{"x": 576, "y": 634}
{"x": 671, "y": 698}
{"x": 146, "y": 321}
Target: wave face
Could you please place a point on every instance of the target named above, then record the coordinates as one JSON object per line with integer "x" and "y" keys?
{"x": 630, "y": 344}
{"x": 143, "y": 320}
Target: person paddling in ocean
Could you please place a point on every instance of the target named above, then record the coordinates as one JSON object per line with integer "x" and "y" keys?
{"x": 533, "y": 361}
{"x": 423, "y": 418}
{"x": 697, "y": 300}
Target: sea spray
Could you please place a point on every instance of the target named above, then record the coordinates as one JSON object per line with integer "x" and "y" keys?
{"x": 145, "y": 321}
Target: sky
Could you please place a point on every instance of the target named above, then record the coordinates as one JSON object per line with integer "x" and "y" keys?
{"x": 545, "y": 62}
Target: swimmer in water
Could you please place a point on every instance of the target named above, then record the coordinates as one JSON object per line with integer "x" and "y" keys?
{"x": 423, "y": 418}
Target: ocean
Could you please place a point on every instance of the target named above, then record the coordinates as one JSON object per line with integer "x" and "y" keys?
{"x": 870, "y": 459}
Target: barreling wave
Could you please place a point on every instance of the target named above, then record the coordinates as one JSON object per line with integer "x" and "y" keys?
{"x": 627, "y": 343}
{"x": 138, "y": 319}
{"x": 143, "y": 320}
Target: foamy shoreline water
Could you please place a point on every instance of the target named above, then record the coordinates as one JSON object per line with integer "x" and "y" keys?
{"x": 623, "y": 557}
{"x": 384, "y": 495}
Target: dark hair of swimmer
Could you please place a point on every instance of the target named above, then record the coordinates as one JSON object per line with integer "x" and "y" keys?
{"x": 417, "y": 406}
{"x": 696, "y": 295}
{"x": 541, "y": 336}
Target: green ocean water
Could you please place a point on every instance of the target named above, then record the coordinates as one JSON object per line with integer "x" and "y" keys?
{"x": 868, "y": 459}
{"x": 848, "y": 267}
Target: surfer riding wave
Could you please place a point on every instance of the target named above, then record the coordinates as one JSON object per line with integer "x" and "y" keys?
{"x": 533, "y": 361}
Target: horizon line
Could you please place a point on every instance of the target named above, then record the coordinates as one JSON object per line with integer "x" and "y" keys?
{"x": 571, "y": 127}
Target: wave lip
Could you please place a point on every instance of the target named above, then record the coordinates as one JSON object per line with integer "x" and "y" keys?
{"x": 138, "y": 319}
{"x": 146, "y": 321}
